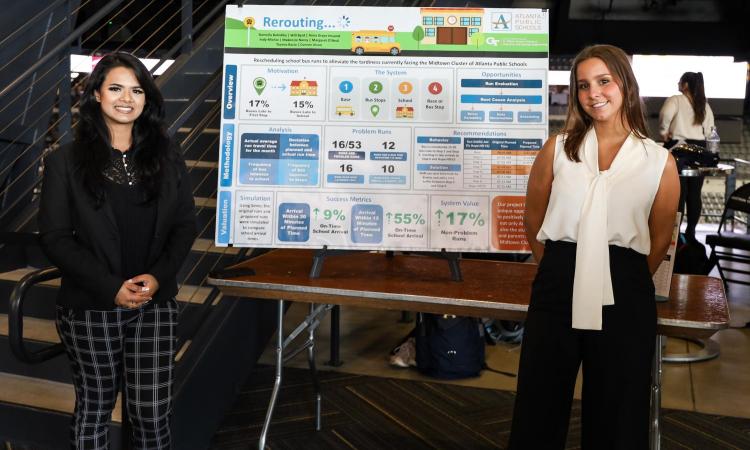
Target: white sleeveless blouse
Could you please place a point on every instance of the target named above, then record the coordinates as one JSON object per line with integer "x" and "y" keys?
{"x": 596, "y": 209}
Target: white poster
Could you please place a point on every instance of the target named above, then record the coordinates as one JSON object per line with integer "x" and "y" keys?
{"x": 380, "y": 128}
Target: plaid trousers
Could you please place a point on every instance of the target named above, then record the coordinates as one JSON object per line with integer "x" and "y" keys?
{"x": 105, "y": 346}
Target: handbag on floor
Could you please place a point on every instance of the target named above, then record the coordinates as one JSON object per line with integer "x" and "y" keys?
{"x": 449, "y": 347}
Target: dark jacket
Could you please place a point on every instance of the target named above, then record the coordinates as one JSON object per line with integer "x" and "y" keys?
{"x": 84, "y": 242}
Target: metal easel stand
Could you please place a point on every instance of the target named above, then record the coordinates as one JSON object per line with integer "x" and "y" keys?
{"x": 452, "y": 258}
{"x": 656, "y": 373}
{"x": 317, "y": 266}
{"x": 309, "y": 324}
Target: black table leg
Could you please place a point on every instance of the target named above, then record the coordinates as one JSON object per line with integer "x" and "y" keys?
{"x": 335, "y": 337}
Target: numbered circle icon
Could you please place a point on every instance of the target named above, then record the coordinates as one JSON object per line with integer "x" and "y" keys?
{"x": 435, "y": 88}
{"x": 376, "y": 87}
{"x": 405, "y": 87}
{"x": 346, "y": 86}
{"x": 249, "y": 22}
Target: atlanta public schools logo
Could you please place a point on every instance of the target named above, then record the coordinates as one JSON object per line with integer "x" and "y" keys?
{"x": 502, "y": 21}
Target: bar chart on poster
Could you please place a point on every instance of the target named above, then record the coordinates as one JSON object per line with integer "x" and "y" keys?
{"x": 380, "y": 128}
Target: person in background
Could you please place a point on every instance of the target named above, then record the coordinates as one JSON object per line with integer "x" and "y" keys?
{"x": 600, "y": 210}
{"x": 117, "y": 218}
{"x": 688, "y": 117}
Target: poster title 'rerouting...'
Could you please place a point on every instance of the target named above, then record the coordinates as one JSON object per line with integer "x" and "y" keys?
{"x": 304, "y": 22}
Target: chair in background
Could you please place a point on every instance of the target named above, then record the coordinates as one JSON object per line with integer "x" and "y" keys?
{"x": 735, "y": 247}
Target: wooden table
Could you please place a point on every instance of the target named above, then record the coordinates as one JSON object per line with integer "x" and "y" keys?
{"x": 697, "y": 307}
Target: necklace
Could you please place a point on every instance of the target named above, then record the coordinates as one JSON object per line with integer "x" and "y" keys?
{"x": 121, "y": 168}
{"x": 128, "y": 173}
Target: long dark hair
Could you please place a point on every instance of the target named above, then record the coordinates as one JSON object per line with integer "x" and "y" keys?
{"x": 150, "y": 143}
{"x": 694, "y": 82}
{"x": 578, "y": 123}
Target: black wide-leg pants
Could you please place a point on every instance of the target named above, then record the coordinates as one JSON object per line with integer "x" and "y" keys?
{"x": 616, "y": 361}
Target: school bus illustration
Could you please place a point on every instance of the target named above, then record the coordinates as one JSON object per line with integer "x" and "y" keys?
{"x": 404, "y": 112}
{"x": 375, "y": 41}
{"x": 345, "y": 110}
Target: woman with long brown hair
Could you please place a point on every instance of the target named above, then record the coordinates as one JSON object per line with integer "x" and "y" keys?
{"x": 600, "y": 209}
{"x": 688, "y": 117}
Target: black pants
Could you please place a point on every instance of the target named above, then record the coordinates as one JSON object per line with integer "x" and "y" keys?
{"x": 691, "y": 203}
{"x": 616, "y": 360}
{"x": 107, "y": 348}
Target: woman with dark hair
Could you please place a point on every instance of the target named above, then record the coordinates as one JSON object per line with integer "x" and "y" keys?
{"x": 688, "y": 117}
{"x": 117, "y": 218}
{"x": 600, "y": 210}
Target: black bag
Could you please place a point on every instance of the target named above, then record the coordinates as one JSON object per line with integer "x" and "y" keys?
{"x": 449, "y": 347}
{"x": 690, "y": 257}
{"x": 693, "y": 156}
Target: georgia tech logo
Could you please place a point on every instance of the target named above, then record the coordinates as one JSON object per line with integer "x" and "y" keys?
{"x": 502, "y": 21}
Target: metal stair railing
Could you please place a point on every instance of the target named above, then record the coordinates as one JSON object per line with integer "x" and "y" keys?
{"x": 15, "y": 318}
{"x": 62, "y": 46}
{"x": 58, "y": 57}
{"x": 29, "y": 23}
{"x": 185, "y": 44}
{"x": 194, "y": 103}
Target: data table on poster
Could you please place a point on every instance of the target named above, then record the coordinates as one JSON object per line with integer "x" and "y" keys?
{"x": 499, "y": 164}
{"x": 380, "y": 128}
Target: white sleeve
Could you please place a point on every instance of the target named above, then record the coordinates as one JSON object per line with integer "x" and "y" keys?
{"x": 708, "y": 121}
{"x": 666, "y": 115}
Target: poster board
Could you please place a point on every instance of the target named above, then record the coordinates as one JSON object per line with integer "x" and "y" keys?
{"x": 380, "y": 128}
{"x": 663, "y": 276}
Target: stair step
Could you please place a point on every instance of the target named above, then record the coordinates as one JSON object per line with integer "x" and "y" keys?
{"x": 42, "y": 330}
{"x": 191, "y": 164}
{"x": 193, "y": 294}
{"x": 207, "y": 245}
{"x": 16, "y": 275}
{"x": 43, "y": 394}
{"x": 205, "y": 202}
{"x": 185, "y": 100}
{"x": 205, "y": 130}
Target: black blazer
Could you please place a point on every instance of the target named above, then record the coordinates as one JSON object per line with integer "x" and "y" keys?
{"x": 84, "y": 241}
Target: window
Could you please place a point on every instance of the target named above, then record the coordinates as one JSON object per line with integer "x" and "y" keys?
{"x": 427, "y": 21}
{"x": 429, "y": 32}
{"x": 439, "y": 21}
{"x": 476, "y": 21}
{"x": 473, "y": 30}
{"x": 465, "y": 21}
